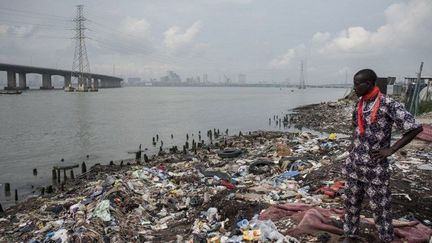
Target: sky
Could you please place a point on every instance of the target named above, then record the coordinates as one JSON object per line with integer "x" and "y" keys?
{"x": 267, "y": 40}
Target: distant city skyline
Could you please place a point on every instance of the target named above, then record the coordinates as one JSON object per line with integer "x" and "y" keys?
{"x": 265, "y": 41}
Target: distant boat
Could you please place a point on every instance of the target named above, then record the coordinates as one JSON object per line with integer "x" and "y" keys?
{"x": 11, "y": 92}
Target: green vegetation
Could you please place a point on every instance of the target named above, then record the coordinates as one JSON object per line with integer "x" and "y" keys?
{"x": 425, "y": 106}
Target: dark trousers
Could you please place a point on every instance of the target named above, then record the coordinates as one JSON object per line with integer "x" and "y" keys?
{"x": 380, "y": 203}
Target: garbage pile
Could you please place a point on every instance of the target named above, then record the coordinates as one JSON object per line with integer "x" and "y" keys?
{"x": 327, "y": 117}
{"x": 230, "y": 191}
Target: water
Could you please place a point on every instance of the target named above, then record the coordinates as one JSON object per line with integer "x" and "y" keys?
{"x": 38, "y": 128}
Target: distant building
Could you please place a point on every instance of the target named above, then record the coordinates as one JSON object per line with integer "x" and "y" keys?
{"x": 410, "y": 80}
{"x": 383, "y": 82}
{"x": 193, "y": 80}
{"x": 134, "y": 80}
{"x": 171, "y": 77}
{"x": 242, "y": 78}
{"x": 205, "y": 78}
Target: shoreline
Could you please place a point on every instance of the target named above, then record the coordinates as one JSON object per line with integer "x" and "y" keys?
{"x": 185, "y": 199}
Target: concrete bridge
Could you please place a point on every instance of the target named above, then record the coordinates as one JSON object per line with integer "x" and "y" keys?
{"x": 98, "y": 80}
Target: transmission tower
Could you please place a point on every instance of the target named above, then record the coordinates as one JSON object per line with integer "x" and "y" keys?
{"x": 81, "y": 65}
{"x": 302, "y": 84}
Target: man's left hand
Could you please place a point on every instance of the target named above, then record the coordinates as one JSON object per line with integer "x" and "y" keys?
{"x": 378, "y": 155}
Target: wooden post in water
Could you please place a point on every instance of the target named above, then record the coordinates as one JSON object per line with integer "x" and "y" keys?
{"x": 1, "y": 209}
{"x": 146, "y": 159}
{"x": 58, "y": 176}
{"x": 64, "y": 175}
{"x": 35, "y": 172}
{"x": 7, "y": 187}
{"x": 138, "y": 155}
{"x": 16, "y": 194}
{"x": 54, "y": 174}
{"x": 43, "y": 191}
{"x": 50, "y": 189}
{"x": 83, "y": 167}
{"x": 72, "y": 176}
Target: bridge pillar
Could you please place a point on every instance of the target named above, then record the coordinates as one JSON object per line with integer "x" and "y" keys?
{"x": 81, "y": 83}
{"x": 88, "y": 83}
{"x": 11, "y": 80}
{"x": 46, "y": 81}
{"x": 95, "y": 83}
{"x": 22, "y": 81}
{"x": 67, "y": 80}
{"x": 102, "y": 83}
{"x": 108, "y": 83}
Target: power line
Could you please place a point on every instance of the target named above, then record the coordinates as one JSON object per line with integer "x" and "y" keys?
{"x": 38, "y": 37}
{"x": 33, "y": 23}
{"x": 22, "y": 12}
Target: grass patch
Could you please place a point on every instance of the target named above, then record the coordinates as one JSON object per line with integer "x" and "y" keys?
{"x": 425, "y": 106}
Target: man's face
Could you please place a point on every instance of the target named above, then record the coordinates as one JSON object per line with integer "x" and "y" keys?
{"x": 362, "y": 85}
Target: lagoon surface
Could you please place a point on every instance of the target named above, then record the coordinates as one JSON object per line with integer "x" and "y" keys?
{"x": 38, "y": 128}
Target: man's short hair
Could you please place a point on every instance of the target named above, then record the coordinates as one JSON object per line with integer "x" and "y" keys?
{"x": 368, "y": 73}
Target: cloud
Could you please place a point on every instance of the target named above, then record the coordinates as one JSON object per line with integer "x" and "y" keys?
{"x": 174, "y": 39}
{"x": 283, "y": 60}
{"x": 320, "y": 37}
{"x": 288, "y": 57}
{"x": 407, "y": 25}
{"x": 3, "y": 29}
{"x": 138, "y": 28}
{"x": 20, "y": 31}
{"x": 131, "y": 36}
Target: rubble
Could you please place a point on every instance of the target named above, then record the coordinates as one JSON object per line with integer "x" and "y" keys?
{"x": 267, "y": 187}
{"x": 330, "y": 117}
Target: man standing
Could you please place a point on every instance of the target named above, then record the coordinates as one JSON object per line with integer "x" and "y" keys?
{"x": 367, "y": 169}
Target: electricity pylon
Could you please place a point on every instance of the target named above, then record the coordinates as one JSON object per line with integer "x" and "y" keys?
{"x": 81, "y": 65}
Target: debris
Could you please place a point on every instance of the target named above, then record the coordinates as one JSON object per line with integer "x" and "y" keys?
{"x": 283, "y": 150}
{"x": 332, "y": 136}
{"x": 425, "y": 167}
{"x": 102, "y": 211}
{"x": 206, "y": 197}
{"x": 229, "y": 153}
